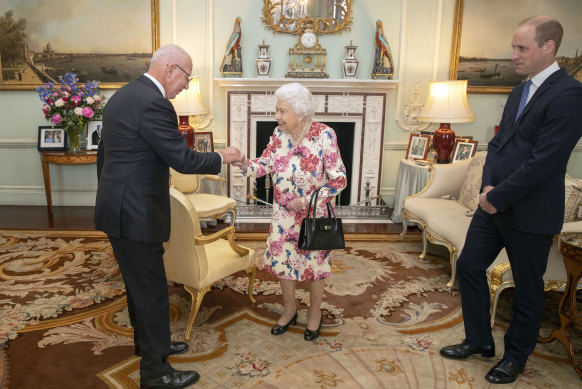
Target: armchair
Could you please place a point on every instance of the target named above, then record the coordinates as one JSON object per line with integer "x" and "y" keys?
{"x": 208, "y": 206}
{"x": 198, "y": 261}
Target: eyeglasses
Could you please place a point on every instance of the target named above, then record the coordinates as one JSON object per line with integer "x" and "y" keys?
{"x": 188, "y": 76}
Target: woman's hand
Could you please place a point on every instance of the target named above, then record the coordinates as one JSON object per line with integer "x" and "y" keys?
{"x": 242, "y": 163}
{"x": 298, "y": 204}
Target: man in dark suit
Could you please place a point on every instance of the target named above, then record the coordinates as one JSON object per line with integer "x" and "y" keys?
{"x": 521, "y": 205}
{"x": 140, "y": 141}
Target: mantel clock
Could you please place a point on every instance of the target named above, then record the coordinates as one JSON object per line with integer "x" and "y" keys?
{"x": 307, "y": 57}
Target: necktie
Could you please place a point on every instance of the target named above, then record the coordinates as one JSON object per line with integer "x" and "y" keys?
{"x": 523, "y": 100}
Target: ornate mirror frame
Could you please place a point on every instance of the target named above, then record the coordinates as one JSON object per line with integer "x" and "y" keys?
{"x": 275, "y": 20}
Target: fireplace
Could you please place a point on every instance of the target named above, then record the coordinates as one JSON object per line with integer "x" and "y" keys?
{"x": 355, "y": 109}
{"x": 345, "y": 139}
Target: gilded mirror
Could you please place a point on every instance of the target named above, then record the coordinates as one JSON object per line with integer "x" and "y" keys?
{"x": 322, "y": 16}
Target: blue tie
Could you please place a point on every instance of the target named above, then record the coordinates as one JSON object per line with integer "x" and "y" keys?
{"x": 523, "y": 100}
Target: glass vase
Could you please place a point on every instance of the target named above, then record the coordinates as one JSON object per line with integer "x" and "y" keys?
{"x": 74, "y": 132}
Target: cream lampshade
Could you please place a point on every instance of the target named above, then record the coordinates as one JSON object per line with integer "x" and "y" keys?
{"x": 189, "y": 103}
{"x": 446, "y": 103}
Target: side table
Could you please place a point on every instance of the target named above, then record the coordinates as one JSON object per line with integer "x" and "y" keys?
{"x": 412, "y": 178}
{"x": 61, "y": 158}
{"x": 571, "y": 249}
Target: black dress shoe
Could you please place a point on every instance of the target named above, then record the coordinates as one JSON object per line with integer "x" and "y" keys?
{"x": 174, "y": 380}
{"x": 463, "y": 350}
{"x": 175, "y": 348}
{"x": 504, "y": 372}
{"x": 278, "y": 330}
{"x": 312, "y": 335}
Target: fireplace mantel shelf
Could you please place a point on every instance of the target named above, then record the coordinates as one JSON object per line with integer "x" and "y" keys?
{"x": 246, "y": 84}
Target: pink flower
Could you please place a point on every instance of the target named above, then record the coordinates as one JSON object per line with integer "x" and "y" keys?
{"x": 56, "y": 119}
{"x": 76, "y": 99}
{"x": 88, "y": 112}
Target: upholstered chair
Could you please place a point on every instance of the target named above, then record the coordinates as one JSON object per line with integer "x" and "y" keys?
{"x": 208, "y": 206}
{"x": 443, "y": 211}
{"x": 197, "y": 261}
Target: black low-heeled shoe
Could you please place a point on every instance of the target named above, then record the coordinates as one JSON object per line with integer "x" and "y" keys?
{"x": 312, "y": 335}
{"x": 279, "y": 330}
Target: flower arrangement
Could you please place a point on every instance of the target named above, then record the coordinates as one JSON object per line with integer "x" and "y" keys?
{"x": 71, "y": 105}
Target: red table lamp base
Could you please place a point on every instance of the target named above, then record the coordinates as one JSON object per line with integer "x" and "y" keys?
{"x": 443, "y": 142}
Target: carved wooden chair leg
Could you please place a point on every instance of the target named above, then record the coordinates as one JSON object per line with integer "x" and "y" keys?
{"x": 197, "y": 296}
{"x": 251, "y": 272}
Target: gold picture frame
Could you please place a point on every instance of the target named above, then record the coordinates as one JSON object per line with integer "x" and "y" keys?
{"x": 485, "y": 42}
{"x": 112, "y": 69}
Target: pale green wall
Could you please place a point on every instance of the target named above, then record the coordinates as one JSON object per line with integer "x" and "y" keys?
{"x": 203, "y": 26}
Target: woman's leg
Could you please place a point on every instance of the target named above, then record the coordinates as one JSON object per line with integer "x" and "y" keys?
{"x": 315, "y": 299}
{"x": 289, "y": 307}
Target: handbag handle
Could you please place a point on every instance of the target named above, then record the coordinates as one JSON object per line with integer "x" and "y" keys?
{"x": 313, "y": 201}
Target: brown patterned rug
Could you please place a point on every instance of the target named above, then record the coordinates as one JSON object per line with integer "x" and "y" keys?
{"x": 64, "y": 323}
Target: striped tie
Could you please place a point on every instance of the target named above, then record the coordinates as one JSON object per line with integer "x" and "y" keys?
{"x": 523, "y": 100}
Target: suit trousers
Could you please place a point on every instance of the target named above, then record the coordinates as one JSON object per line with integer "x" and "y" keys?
{"x": 528, "y": 257}
{"x": 142, "y": 268}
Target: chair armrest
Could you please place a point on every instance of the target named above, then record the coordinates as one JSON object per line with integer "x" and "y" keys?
{"x": 215, "y": 178}
{"x": 445, "y": 179}
{"x": 228, "y": 233}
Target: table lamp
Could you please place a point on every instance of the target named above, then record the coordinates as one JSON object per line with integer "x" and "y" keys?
{"x": 446, "y": 103}
{"x": 189, "y": 103}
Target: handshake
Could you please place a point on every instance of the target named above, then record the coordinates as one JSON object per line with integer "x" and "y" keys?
{"x": 233, "y": 156}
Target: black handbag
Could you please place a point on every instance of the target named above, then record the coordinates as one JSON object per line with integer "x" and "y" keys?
{"x": 324, "y": 233}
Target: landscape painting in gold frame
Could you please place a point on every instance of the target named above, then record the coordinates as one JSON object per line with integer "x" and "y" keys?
{"x": 107, "y": 41}
{"x": 482, "y": 34}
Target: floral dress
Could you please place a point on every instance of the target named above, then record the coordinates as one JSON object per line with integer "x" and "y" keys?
{"x": 296, "y": 171}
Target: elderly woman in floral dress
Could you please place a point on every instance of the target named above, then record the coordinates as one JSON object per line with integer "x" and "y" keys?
{"x": 302, "y": 156}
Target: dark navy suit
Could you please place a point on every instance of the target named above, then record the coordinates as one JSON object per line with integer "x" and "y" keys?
{"x": 526, "y": 163}
{"x": 140, "y": 141}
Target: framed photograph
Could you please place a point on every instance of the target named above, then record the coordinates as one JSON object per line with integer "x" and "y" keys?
{"x": 51, "y": 139}
{"x": 94, "y": 134}
{"x": 417, "y": 146}
{"x": 47, "y": 43}
{"x": 203, "y": 141}
{"x": 481, "y": 50}
{"x": 463, "y": 149}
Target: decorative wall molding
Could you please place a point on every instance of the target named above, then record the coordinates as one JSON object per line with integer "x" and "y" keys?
{"x": 407, "y": 112}
{"x": 18, "y": 143}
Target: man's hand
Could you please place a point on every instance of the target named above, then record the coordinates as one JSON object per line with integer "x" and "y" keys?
{"x": 296, "y": 205}
{"x": 242, "y": 163}
{"x": 484, "y": 204}
{"x": 230, "y": 154}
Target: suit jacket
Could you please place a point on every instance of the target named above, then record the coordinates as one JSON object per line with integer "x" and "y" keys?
{"x": 526, "y": 160}
{"x": 140, "y": 141}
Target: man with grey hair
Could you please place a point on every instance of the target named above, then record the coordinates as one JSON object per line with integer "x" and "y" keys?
{"x": 140, "y": 141}
{"x": 521, "y": 206}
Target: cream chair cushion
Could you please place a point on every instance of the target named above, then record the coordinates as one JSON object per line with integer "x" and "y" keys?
{"x": 469, "y": 196}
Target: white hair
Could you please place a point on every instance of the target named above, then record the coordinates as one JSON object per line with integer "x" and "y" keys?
{"x": 300, "y": 99}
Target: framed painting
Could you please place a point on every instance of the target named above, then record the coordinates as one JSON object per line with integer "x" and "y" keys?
{"x": 94, "y": 134}
{"x": 107, "y": 41}
{"x": 51, "y": 138}
{"x": 417, "y": 146}
{"x": 463, "y": 149}
{"x": 203, "y": 141}
{"x": 481, "y": 49}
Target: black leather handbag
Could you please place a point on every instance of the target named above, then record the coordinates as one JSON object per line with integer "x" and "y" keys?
{"x": 324, "y": 233}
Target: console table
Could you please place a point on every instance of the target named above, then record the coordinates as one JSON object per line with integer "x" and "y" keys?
{"x": 571, "y": 249}
{"x": 61, "y": 158}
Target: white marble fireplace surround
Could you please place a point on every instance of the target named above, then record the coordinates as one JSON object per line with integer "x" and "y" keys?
{"x": 362, "y": 102}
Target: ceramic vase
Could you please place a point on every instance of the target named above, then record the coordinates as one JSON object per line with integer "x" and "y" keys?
{"x": 350, "y": 62}
{"x": 263, "y": 61}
